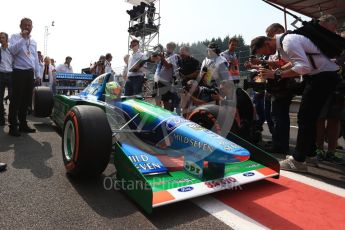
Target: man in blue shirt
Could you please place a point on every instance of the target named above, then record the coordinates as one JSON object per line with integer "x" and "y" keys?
{"x": 6, "y": 60}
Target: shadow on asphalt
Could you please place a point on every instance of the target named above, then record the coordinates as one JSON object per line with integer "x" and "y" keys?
{"x": 28, "y": 154}
{"x": 48, "y": 127}
{"x": 162, "y": 217}
{"x": 112, "y": 203}
{"x": 44, "y": 125}
{"x": 107, "y": 202}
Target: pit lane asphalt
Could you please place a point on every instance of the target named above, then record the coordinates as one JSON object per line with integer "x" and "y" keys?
{"x": 36, "y": 193}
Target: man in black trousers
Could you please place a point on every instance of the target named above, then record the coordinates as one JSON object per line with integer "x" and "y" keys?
{"x": 6, "y": 61}
{"x": 25, "y": 68}
{"x": 320, "y": 76}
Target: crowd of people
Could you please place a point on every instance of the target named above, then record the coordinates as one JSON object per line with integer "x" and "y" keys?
{"x": 321, "y": 75}
{"x": 22, "y": 67}
{"x": 286, "y": 66}
{"x": 182, "y": 83}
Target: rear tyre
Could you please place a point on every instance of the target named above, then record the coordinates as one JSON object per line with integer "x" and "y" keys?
{"x": 86, "y": 141}
{"x": 206, "y": 116}
{"x": 42, "y": 101}
{"x": 211, "y": 116}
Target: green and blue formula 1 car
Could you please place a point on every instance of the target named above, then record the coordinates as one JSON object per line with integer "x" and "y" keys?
{"x": 160, "y": 157}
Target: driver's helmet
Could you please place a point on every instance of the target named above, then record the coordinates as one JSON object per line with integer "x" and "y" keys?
{"x": 112, "y": 90}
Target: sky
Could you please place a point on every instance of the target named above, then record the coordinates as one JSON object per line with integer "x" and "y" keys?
{"x": 87, "y": 29}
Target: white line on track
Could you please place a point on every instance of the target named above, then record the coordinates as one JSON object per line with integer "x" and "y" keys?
{"x": 226, "y": 214}
{"x": 314, "y": 183}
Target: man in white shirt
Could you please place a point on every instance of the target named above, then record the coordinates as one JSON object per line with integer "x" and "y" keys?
{"x": 163, "y": 78}
{"x": 231, "y": 58}
{"x": 25, "y": 69}
{"x": 107, "y": 63}
{"x": 66, "y": 67}
{"x": 214, "y": 68}
{"x": 6, "y": 61}
{"x": 40, "y": 62}
{"x": 320, "y": 77}
{"x": 47, "y": 73}
{"x": 136, "y": 73}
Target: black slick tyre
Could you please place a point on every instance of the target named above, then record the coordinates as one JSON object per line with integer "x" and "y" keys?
{"x": 42, "y": 101}
{"x": 86, "y": 141}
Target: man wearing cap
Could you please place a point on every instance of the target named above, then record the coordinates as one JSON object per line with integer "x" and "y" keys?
{"x": 25, "y": 68}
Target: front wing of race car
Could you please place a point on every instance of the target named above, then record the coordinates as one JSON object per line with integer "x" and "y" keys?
{"x": 177, "y": 184}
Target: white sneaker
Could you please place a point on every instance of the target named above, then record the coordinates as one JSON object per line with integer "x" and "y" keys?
{"x": 289, "y": 164}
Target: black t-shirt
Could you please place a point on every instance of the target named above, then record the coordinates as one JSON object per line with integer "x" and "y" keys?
{"x": 187, "y": 66}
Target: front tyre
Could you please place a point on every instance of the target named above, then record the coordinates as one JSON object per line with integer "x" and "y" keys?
{"x": 86, "y": 141}
{"x": 42, "y": 101}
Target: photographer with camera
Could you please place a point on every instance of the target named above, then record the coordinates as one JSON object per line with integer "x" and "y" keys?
{"x": 213, "y": 68}
{"x": 164, "y": 77}
{"x": 98, "y": 67}
{"x": 320, "y": 82}
{"x": 188, "y": 69}
{"x": 282, "y": 95}
{"x": 261, "y": 98}
{"x": 199, "y": 95}
{"x": 206, "y": 88}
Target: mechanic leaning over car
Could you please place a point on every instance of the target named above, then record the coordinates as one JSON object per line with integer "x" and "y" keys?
{"x": 25, "y": 69}
{"x": 320, "y": 82}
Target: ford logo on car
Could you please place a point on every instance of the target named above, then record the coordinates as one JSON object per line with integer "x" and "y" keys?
{"x": 248, "y": 174}
{"x": 185, "y": 189}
